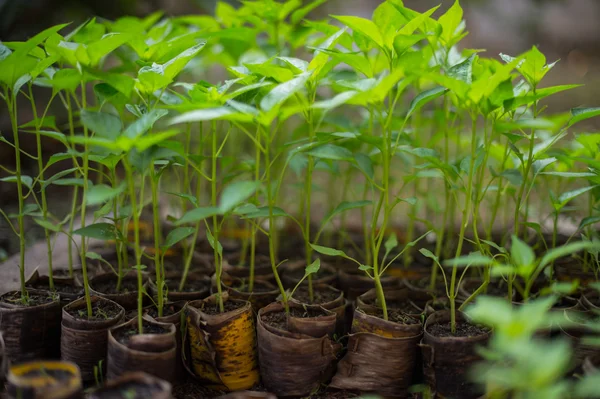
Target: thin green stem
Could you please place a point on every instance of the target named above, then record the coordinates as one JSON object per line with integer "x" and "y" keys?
{"x": 215, "y": 224}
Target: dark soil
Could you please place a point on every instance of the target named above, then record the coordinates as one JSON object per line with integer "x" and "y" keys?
{"x": 110, "y": 287}
{"x": 401, "y": 305}
{"x": 330, "y": 393}
{"x": 34, "y": 299}
{"x": 60, "y": 288}
{"x": 190, "y": 285}
{"x": 320, "y": 296}
{"x": 122, "y": 335}
{"x": 259, "y": 287}
{"x": 129, "y": 390}
{"x": 167, "y": 311}
{"x": 194, "y": 390}
{"x": 395, "y": 315}
{"x": 130, "y": 314}
{"x": 462, "y": 330}
{"x": 279, "y": 319}
{"x": 228, "y": 306}
{"x": 100, "y": 311}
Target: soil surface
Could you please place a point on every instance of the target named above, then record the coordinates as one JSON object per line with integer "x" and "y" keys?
{"x": 190, "y": 285}
{"x": 395, "y": 315}
{"x": 227, "y": 307}
{"x": 259, "y": 287}
{"x": 129, "y": 390}
{"x": 122, "y": 335}
{"x": 167, "y": 311}
{"x": 33, "y": 299}
{"x": 462, "y": 330}
{"x": 320, "y": 296}
{"x": 60, "y": 288}
{"x": 100, "y": 311}
{"x": 110, "y": 287}
{"x": 400, "y": 305}
{"x": 279, "y": 319}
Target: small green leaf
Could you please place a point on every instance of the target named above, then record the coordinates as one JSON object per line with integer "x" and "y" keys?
{"x": 215, "y": 245}
{"x": 100, "y": 193}
{"x": 46, "y": 224}
{"x": 391, "y": 243}
{"x": 282, "y": 92}
{"x": 236, "y": 193}
{"x": 100, "y": 231}
{"x": 581, "y": 114}
{"x": 473, "y": 259}
{"x": 103, "y": 124}
{"x": 27, "y": 181}
{"x": 364, "y": 27}
{"x": 588, "y": 221}
{"x": 365, "y": 268}
{"x": 328, "y": 251}
{"x": 345, "y": 206}
{"x": 331, "y": 151}
{"x": 313, "y": 267}
{"x": 521, "y": 254}
{"x": 568, "y": 249}
{"x": 425, "y": 97}
{"x": 176, "y": 235}
{"x": 570, "y": 195}
{"x": 143, "y": 124}
{"x": 198, "y": 214}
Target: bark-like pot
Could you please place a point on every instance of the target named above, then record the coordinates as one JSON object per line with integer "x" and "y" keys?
{"x": 104, "y": 285}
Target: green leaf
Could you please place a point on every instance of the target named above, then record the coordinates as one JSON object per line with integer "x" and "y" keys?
{"x": 105, "y": 45}
{"x": 451, "y": 21}
{"x": 364, "y": 27}
{"x": 365, "y": 268}
{"x": 284, "y": 91}
{"x": 300, "y": 13}
{"x": 236, "y": 193}
{"x": 103, "y": 124}
{"x": 391, "y": 243}
{"x": 588, "y": 221}
{"x": 568, "y": 249}
{"x": 343, "y": 207}
{"x": 100, "y": 231}
{"x": 313, "y": 267}
{"x": 331, "y": 151}
{"x": 581, "y": 114}
{"x": 198, "y": 214}
{"x": 521, "y": 254}
{"x": 529, "y": 98}
{"x": 365, "y": 164}
{"x": 143, "y": 124}
{"x": 213, "y": 243}
{"x": 463, "y": 71}
{"x": 207, "y": 114}
{"x": 473, "y": 259}
{"x": 423, "y": 98}
{"x": 25, "y": 180}
{"x": 100, "y": 193}
{"x": 264, "y": 212}
{"x": 46, "y": 224}
{"x": 176, "y": 235}
{"x": 356, "y": 61}
{"x": 568, "y": 196}
{"x": 328, "y": 251}
{"x": 336, "y": 101}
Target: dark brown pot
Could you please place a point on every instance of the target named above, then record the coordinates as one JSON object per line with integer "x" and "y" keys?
{"x": 68, "y": 288}
{"x": 44, "y": 380}
{"x": 196, "y": 287}
{"x": 176, "y": 317}
{"x": 591, "y": 364}
{"x": 84, "y": 342}
{"x": 262, "y": 267}
{"x": 263, "y": 294}
{"x": 30, "y": 332}
{"x": 590, "y": 300}
{"x": 222, "y": 345}
{"x": 293, "y": 364}
{"x": 126, "y": 299}
{"x": 292, "y": 273}
{"x": 146, "y": 385}
{"x": 409, "y": 302}
{"x": 569, "y": 269}
{"x": 437, "y": 304}
{"x": 154, "y": 354}
{"x": 337, "y": 305}
{"x": 381, "y": 356}
{"x": 248, "y": 395}
{"x": 356, "y": 283}
{"x": 446, "y": 360}
{"x": 577, "y": 327}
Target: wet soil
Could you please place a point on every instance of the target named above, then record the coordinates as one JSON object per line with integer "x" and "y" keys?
{"x": 167, "y": 311}
{"x": 100, "y": 311}
{"x": 227, "y": 307}
{"x": 320, "y": 296}
{"x": 401, "y": 305}
{"x": 189, "y": 286}
{"x": 395, "y": 315}
{"x": 122, "y": 335}
{"x": 279, "y": 319}
{"x": 33, "y": 299}
{"x": 462, "y": 330}
{"x": 110, "y": 287}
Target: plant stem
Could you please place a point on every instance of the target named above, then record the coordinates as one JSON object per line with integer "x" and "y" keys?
{"x": 83, "y": 247}
{"x": 215, "y": 223}
{"x": 158, "y": 264}
{"x": 40, "y": 162}
{"x": 12, "y": 106}
{"x": 463, "y": 224}
{"x": 136, "y": 233}
{"x": 254, "y": 228}
{"x": 119, "y": 243}
{"x": 75, "y": 191}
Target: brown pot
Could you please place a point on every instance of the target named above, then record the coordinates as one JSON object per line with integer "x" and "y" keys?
{"x": 44, "y": 380}
{"x": 68, "y": 288}
{"x": 222, "y": 345}
{"x": 569, "y": 269}
{"x": 409, "y": 302}
{"x": 129, "y": 299}
{"x": 291, "y": 363}
{"x": 381, "y": 356}
{"x": 292, "y": 273}
{"x": 447, "y": 360}
{"x": 590, "y": 299}
{"x": 145, "y": 385}
{"x": 176, "y": 317}
{"x": 196, "y": 287}
{"x": 591, "y": 364}
{"x": 437, "y": 304}
{"x": 577, "y": 327}
{"x": 263, "y": 294}
{"x": 84, "y": 342}
{"x": 30, "y": 332}
{"x": 248, "y": 395}
{"x": 356, "y": 283}
{"x": 337, "y": 305}
{"x": 154, "y": 354}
